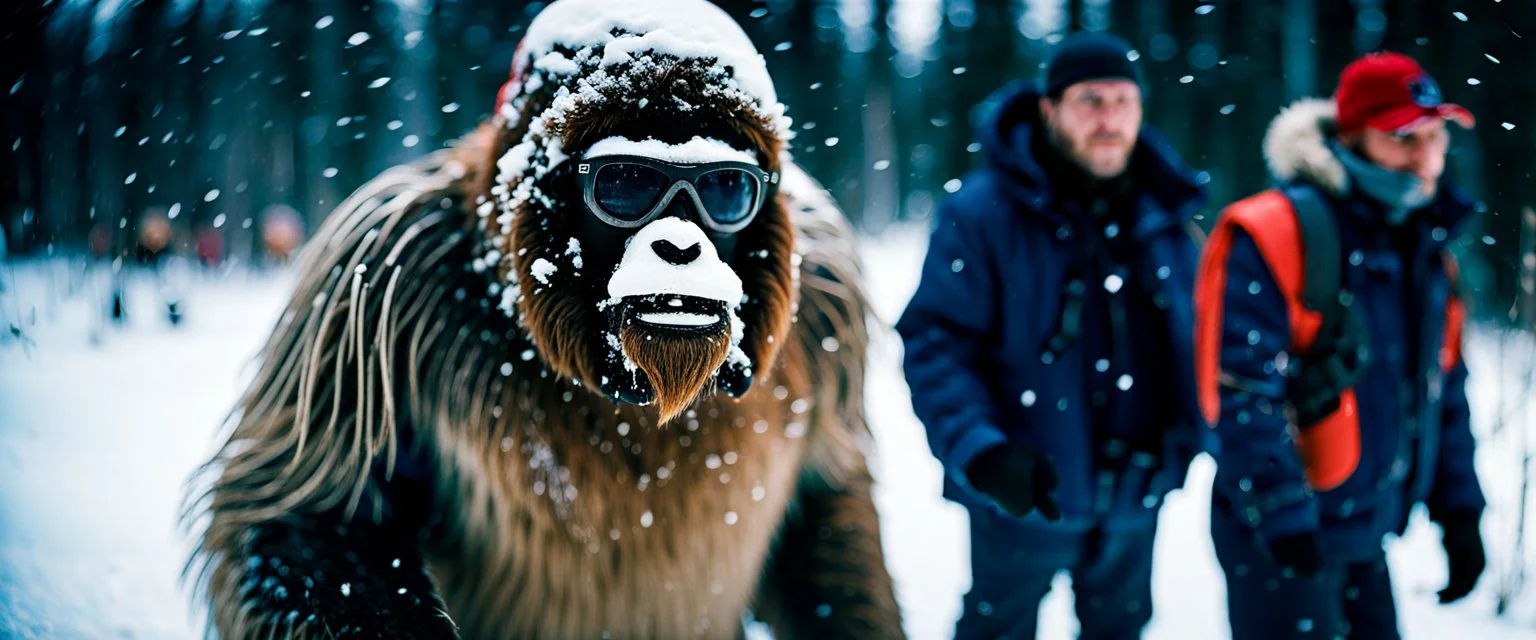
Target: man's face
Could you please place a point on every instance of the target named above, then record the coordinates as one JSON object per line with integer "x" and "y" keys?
{"x": 1419, "y": 151}
{"x": 1095, "y": 124}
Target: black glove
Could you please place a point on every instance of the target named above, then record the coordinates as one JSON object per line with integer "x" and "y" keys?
{"x": 1019, "y": 478}
{"x": 1299, "y": 553}
{"x": 1464, "y": 555}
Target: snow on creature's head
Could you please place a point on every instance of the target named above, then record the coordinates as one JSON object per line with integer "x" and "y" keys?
{"x": 675, "y": 80}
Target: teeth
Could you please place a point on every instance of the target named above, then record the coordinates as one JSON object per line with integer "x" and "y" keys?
{"x": 679, "y": 319}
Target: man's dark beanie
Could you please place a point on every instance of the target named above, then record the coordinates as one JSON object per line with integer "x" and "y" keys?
{"x": 1088, "y": 55}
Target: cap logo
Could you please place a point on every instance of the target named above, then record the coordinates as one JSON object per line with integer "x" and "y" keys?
{"x": 1424, "y": 91}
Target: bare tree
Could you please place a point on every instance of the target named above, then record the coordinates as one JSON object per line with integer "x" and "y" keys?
{"x": 1513, "y": 407}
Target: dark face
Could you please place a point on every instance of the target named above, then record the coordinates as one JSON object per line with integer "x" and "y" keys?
{"x": 669, "y": 309}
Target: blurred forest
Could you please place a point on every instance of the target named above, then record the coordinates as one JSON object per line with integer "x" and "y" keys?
{"x": 221, "y": 114}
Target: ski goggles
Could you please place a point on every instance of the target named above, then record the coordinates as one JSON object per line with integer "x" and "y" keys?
{"x": 628, "y": 191}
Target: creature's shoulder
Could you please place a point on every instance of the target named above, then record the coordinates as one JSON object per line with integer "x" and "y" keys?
{"x": 831, "y": 324}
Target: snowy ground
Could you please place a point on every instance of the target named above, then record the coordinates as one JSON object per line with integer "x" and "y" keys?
{"x": 97, "y": 437}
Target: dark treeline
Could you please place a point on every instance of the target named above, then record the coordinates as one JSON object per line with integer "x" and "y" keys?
{"x": 221, "y": 113}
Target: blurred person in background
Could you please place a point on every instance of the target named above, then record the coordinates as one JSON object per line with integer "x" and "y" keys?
{"x": 282, "y": 231}
{"x": 210, "y": 247}
{"x": 1329, "y": 355}
{"x": 1048, "y": 345}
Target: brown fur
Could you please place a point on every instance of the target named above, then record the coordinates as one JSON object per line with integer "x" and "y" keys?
{"x": 542, "y": 486}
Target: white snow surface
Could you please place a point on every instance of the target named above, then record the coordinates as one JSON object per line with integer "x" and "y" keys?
{"x": 642, "y": 273}
{"x": 96, "y": 443}
{"x": 699, "y": 150}
{"x": 683, "y": 28}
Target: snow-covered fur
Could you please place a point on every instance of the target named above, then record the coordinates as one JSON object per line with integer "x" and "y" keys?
{"x": 413, "y": 451}
{"x": 1296, "y": 145}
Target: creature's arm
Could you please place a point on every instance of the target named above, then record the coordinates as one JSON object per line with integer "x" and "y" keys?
{"x": 323, "y": 574}
{"x": 314, "y": 517}
{"x": 313, "y": 577}
{"x": 827, "y": 576}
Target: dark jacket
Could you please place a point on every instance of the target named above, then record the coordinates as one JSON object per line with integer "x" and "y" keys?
{"x": 1415, "y": 443}
{"x": 996, "y": 279}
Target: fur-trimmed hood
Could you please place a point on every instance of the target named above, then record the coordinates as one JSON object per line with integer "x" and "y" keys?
{"x": 1296, "y": 145}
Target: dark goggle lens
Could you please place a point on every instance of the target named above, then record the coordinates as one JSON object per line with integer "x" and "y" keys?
{"x": 727, "y": 194}
{"x": 628, "y": 191}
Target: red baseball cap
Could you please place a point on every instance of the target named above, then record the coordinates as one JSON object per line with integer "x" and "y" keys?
{"x": 1391, "y": 92}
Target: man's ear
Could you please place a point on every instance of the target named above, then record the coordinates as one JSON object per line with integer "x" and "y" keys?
{"x": 1047, "y": 109}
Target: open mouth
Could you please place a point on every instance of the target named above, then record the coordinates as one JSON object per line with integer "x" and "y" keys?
{"x": 676, "y": 313}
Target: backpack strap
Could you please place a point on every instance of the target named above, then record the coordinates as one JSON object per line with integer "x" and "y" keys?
{"x": 1321, "y": 253}
{"x": 1337, "y": 356}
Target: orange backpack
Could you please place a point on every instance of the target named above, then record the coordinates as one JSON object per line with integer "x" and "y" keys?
{"x": 1297, "y": 236}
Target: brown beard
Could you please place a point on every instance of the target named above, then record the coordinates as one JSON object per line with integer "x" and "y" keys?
{"x": 678, "y": 366}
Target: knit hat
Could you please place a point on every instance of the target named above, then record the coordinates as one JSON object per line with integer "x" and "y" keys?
{"x": 1088, "y": 55}
{"x": 1391, "y": 92}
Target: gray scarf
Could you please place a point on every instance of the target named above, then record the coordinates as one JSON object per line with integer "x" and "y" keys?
{"x": 1402, "y": 193}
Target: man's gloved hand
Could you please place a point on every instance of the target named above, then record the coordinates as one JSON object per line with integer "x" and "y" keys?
{"x": 1299, "y": 552}
{"x": 1464, "y": 555}
{"x": 1019, "y": 478}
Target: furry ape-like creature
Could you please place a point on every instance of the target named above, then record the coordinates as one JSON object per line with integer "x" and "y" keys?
{"x": 528, "y": 388}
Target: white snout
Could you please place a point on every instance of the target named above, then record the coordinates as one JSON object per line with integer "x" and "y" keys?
{"x": 644, "y": 272}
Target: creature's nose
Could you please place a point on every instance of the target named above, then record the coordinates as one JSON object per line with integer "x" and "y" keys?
{"x": 672, "y": 254}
